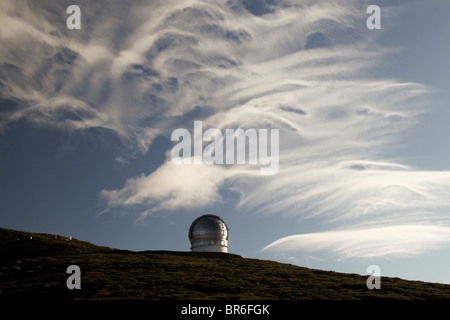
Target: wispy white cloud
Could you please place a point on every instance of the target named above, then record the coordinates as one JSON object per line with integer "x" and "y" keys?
{"x": 170, "y": 187}
{"x": 331, "y": 113}
{"x": 376, "y": 242}
{"x": 348, "y": 191}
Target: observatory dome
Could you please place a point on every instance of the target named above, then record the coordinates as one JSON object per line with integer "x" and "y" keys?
{"x": 208, "y": 233}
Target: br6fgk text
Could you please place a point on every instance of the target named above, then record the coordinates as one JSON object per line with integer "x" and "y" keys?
{"x": 247, "y": 309}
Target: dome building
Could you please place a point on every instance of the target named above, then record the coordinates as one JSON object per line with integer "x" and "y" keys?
{"x": 208, "y": 233}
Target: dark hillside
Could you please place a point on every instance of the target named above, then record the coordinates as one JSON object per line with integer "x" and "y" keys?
{"x": 33, "y": 266}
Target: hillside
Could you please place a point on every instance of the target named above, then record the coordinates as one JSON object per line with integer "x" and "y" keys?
{"x": 34, "y": 267}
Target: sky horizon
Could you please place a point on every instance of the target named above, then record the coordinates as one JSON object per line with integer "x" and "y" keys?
{"x": 87, "y": 122}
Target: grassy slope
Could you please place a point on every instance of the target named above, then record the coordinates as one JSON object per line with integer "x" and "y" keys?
{"x": 36, "y": 269}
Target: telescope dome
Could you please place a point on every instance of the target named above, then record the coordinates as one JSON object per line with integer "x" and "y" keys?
{"x": 208, "y": 233}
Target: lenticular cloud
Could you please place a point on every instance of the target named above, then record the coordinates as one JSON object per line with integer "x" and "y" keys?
{"x": 385, "y": 242}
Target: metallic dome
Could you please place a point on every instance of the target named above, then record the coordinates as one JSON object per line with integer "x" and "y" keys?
{"x": 209, "y": 233}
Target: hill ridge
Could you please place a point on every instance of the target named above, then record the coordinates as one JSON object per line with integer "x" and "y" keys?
{"x": 34, "y": 266}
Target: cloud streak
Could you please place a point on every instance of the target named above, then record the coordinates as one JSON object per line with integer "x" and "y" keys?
{"x": 376, "y": 242}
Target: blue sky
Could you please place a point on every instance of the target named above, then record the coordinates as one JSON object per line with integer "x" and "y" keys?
{"x": 86, "y": 118}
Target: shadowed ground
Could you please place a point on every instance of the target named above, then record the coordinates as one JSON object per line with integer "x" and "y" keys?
{"x": 36, "y": 269}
